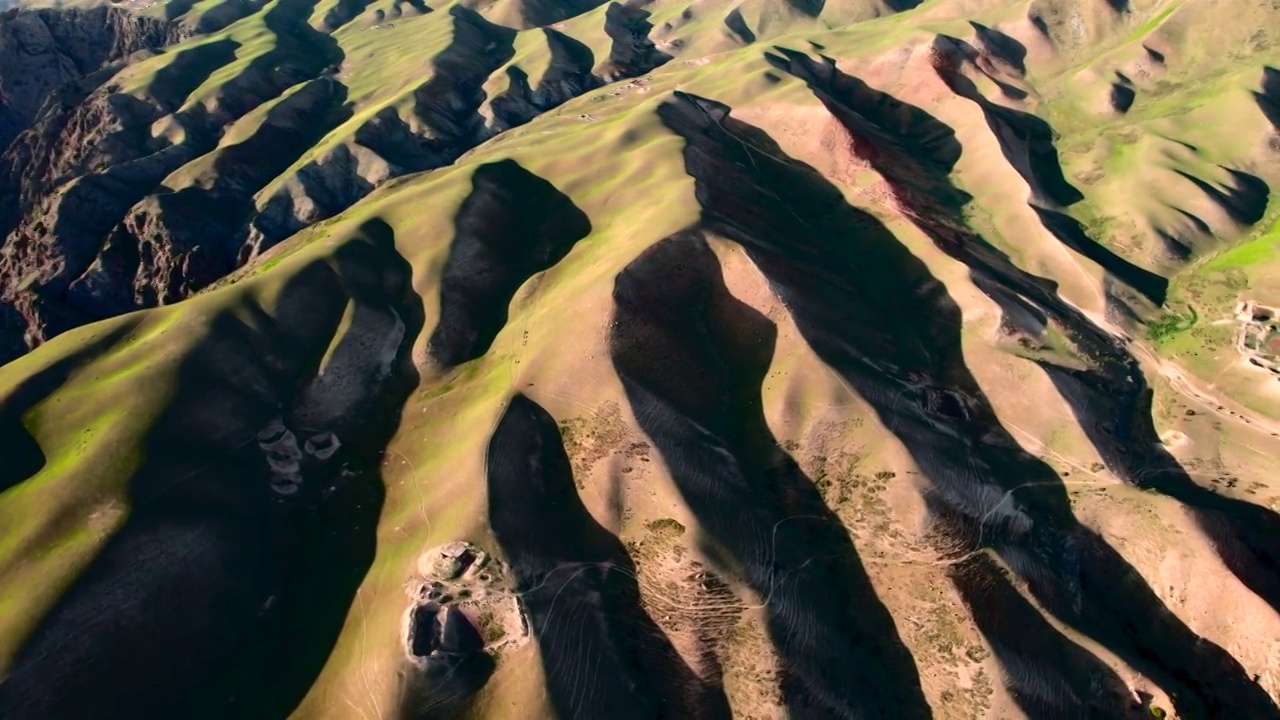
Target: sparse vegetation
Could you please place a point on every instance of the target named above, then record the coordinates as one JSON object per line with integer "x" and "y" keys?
{"x": 665, "y": 527}
{"x": 111, "y": 423}
{"x": 1171, "y": 324}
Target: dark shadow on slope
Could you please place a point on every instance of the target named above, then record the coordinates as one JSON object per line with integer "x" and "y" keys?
{"x": 173, "y": 244}
{"x": 455, "y": 668}
{"x": 1112, "y": 400}
{"x": 539, "y": 13}
{"x": 512, "y": 226}
{"x": 631, "y": 52}
{"x": 692, "y": 359}
{"x": 1005, "y": 48}
{"x": 1178, "y": 248}
{"x": 810, "y": 8}
{"x": 578, "y": 586}
{"x": 875, "y": 315}
{"x": 905, "y": 144}
{"x": 1268, "y": 98}
{"x": 738, "y": 26}
{"x": 188, "y": 70}
{"x": 1122, "y": 96}
{"x": 222, "y": 15}
{"x": 1027, "y": 143}
{"x": 571, "y": 62}
{"x": 300, "y": 53}
{"x": 343, "y": 12}
{"x": 902, "y": 5}
{"x": 1071, "y": 233}
{"x": 1075, "y": 683}
{"x": 1246, "y": 536}
{"x": 1025, "y": 140}
{"x": 175, "y": 9}
{"x": 22, "y": 456}
{"x": 220, "y": 596}
{"x": 1244, "y": 201}
{"x": 450, "y": 101}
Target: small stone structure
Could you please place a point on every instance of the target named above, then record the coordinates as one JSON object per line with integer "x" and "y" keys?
{"x": 462, "y": 601}
{"x": 1258, "y": 338}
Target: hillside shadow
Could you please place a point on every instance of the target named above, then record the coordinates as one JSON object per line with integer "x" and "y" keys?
{"x": 567, "y": 76}
{"x": 631, "y": 52}
{"x": 22, "y": 456}
{"x": 512, "y": 226}
{"x": 1244, "y": 200}
{"x": 1268, "y": 98}
{"x": 1027, "y": 143}
{"x": 189, "y": 69}
{"x": 1002, "y": 46}
{"x": 1112, "y": 399}
{"x": 1023, "y": 640}
{"x": 163, "y": 245}
{"x": 449, "y": 102}
{"x": 737, "y": 25}
{"x": 540, "y": 13}
{"x": 874, "y": 314}
{"x": 692, "y": 360}
{"x": 225, "y": 590}
{"x": 1114, "y": 408}
{"x": 578, "y": 586}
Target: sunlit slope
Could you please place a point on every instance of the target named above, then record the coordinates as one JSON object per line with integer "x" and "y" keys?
{"x": 772, "y": 385}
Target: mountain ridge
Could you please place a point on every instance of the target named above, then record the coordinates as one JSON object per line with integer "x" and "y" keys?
{"x": 526, "y": 359}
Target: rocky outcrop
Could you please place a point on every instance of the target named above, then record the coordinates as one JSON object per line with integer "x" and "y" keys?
{"x": 90, "y": 229}
{"x": 448, "y": 123}
{"x": 320, "y": 189}
{"x": 58, "y": 125}
{"x": 186, "y": 239}
{"x": 99, "y": 222}
{"x": 40, "y": 50}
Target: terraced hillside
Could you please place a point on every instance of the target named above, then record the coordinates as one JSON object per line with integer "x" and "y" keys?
{"x": 552, "y": 358}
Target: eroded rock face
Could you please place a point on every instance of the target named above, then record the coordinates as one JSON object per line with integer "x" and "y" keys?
{"x": 56, "y": 124}
{"x": 95, "y": 218}
{"x": 92, "y": 227}
{"x": 321, "y": 189}
{"x": 40, "y": 50}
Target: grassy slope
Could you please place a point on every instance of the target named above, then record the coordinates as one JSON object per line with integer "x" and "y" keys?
{"x": 625, "y": 171}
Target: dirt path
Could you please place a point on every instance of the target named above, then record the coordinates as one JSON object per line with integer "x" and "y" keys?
{"x": 1192, "y": 388}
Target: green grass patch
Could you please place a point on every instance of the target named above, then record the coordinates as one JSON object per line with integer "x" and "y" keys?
{"x": 1172, "y": 324}
{"x": 1250, "y": 253}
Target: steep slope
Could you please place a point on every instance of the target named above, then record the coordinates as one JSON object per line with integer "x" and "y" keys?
{"x": 43, "y": 49}
{"x": 648, "y": 359}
